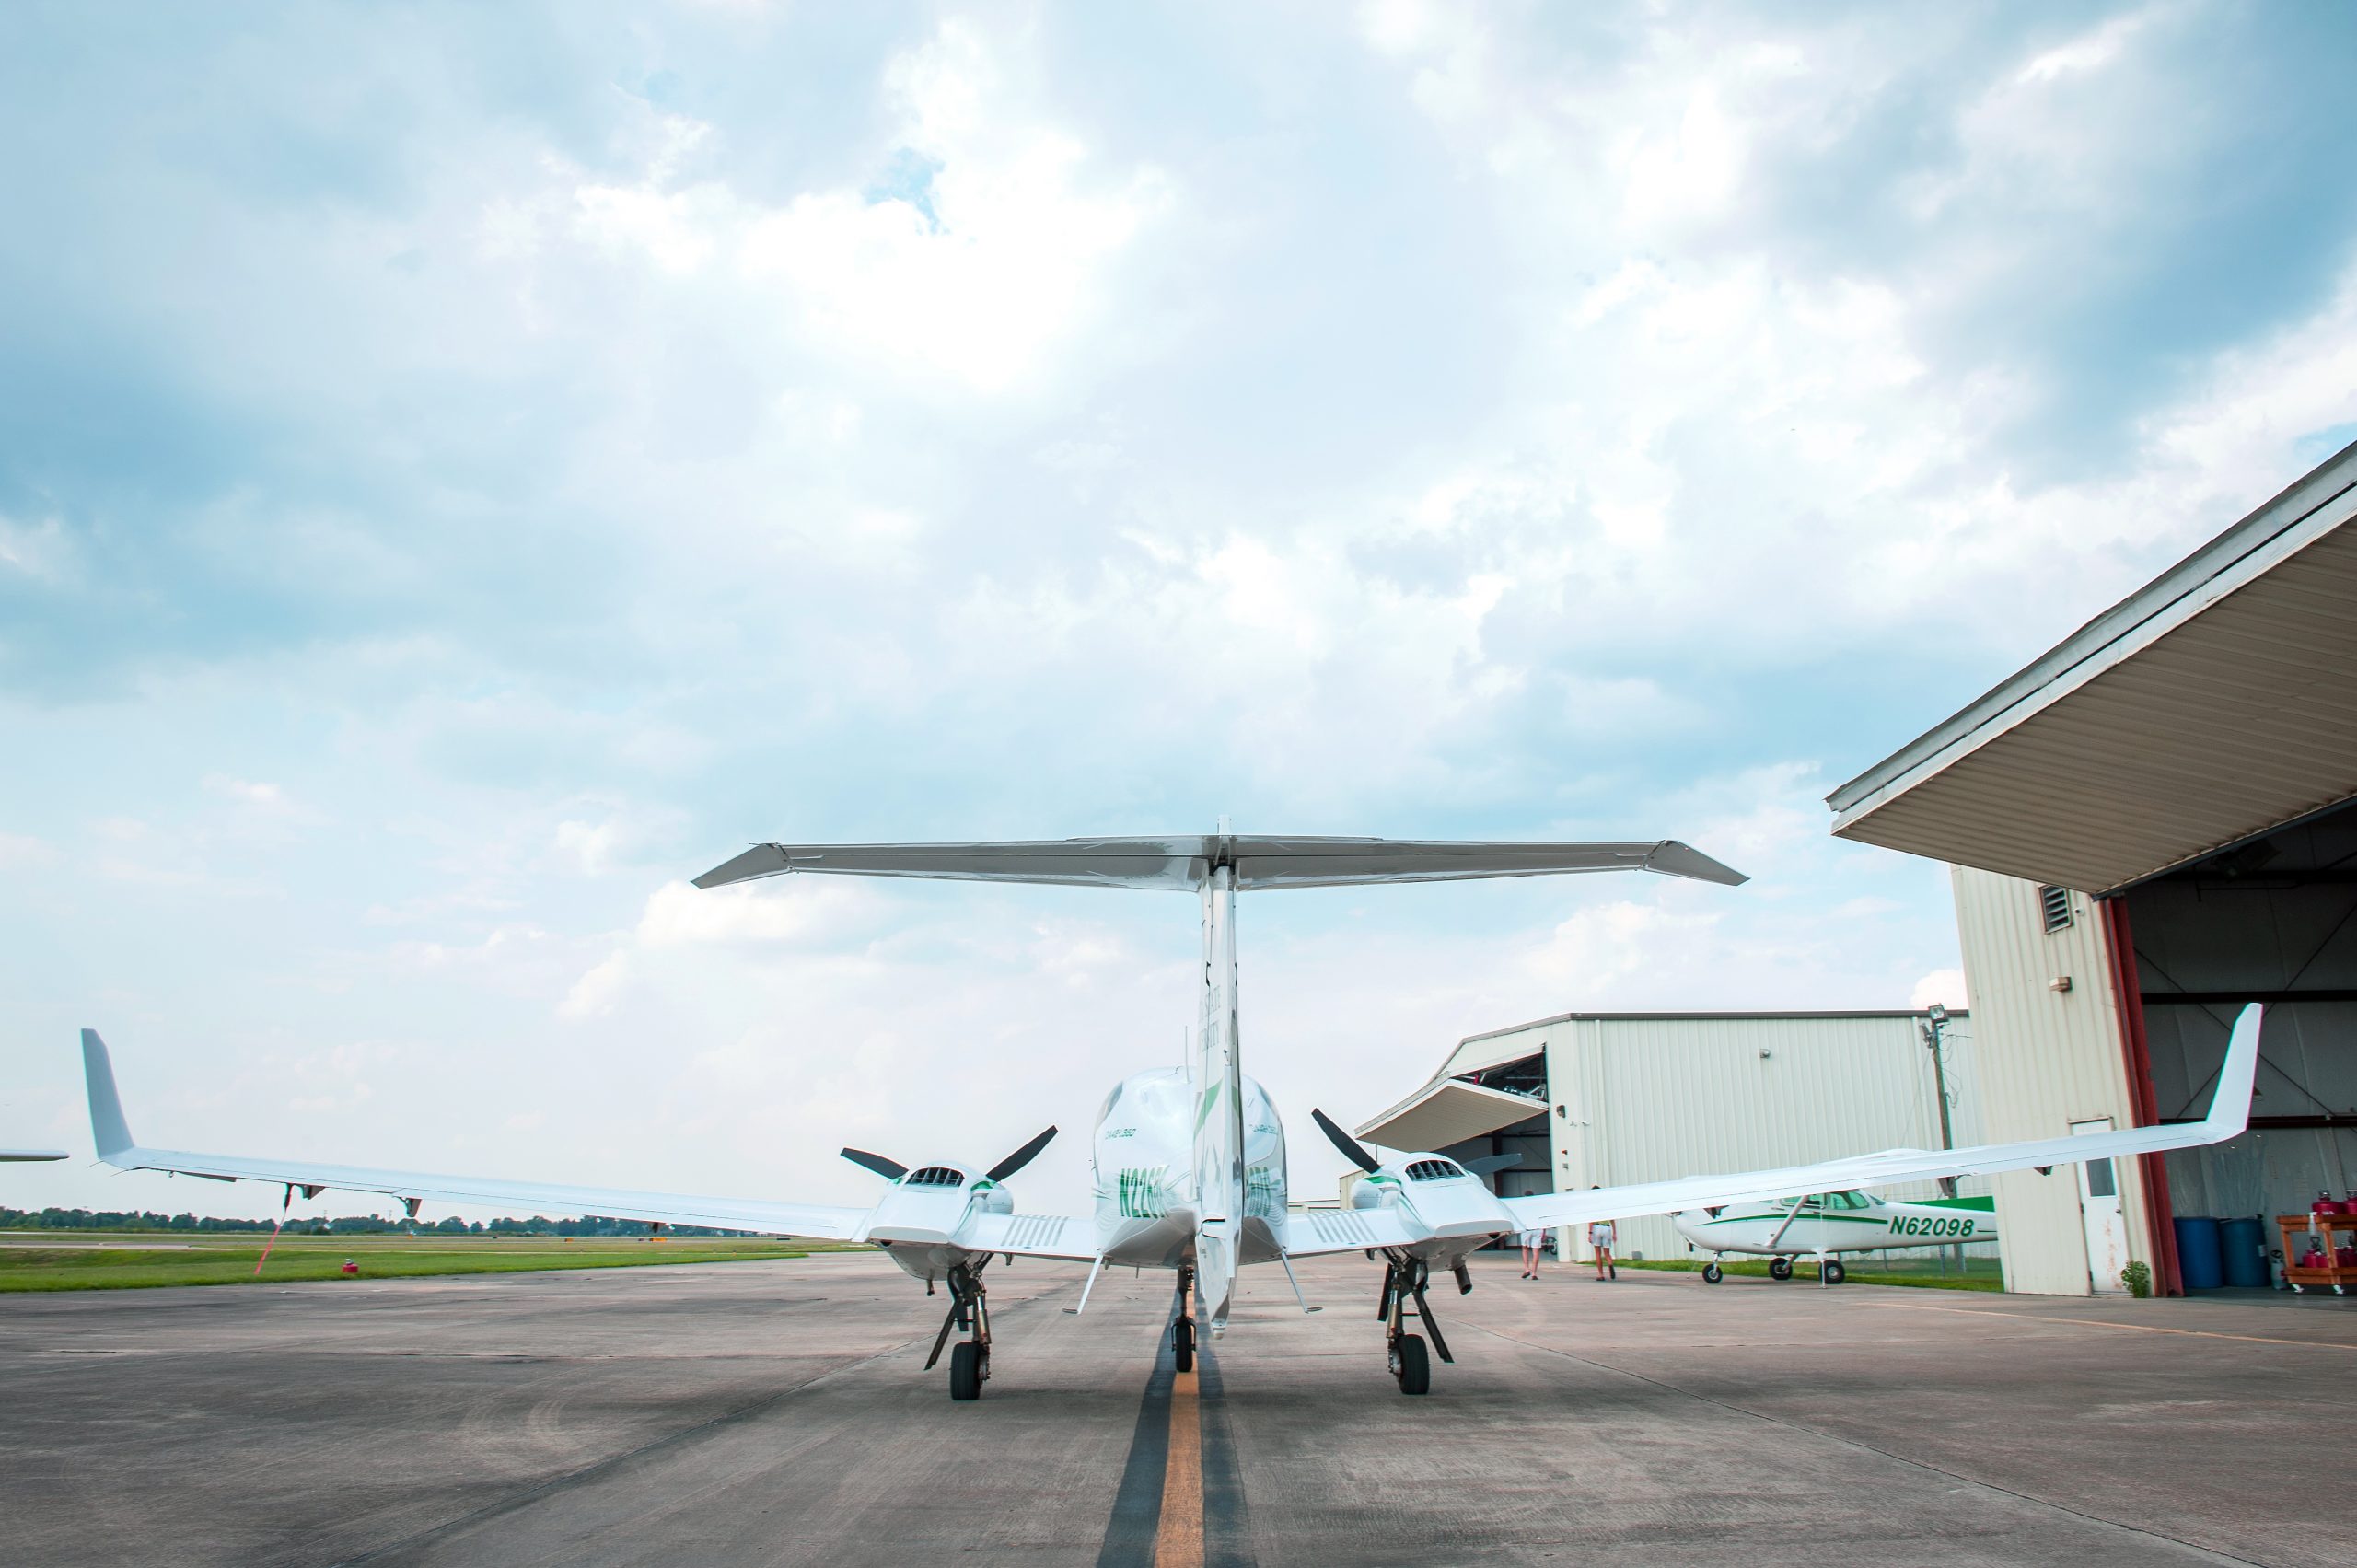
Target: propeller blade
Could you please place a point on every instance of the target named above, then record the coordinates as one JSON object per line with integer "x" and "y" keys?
{"x": 1352, "y": 1150}
{"x": 890, "y": 1170}
{"x": 1488, "y": 1163}
{"x": 1019, "y": 1158}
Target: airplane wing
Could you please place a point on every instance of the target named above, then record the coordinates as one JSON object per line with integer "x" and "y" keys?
{"x": 1310, "y": 1232}
{"x": 117, "y": 1148}
{"x": 2229, "y": 1115}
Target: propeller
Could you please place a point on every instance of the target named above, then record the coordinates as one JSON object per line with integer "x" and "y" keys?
{"x": 1019, "y": 1158}
{"x": 892, "y": 1169}
{"x": 1352, "y": 1150}
{"x": 1488, "y": 1163}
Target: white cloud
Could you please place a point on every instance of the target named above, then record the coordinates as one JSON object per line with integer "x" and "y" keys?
{"x": 1942, "y": 988}
{"x": 978, "y": 259}
{"x": 595, "y": 992}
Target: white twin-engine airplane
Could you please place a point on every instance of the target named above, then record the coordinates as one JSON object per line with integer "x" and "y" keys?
{"x": 1189, "y": 1161}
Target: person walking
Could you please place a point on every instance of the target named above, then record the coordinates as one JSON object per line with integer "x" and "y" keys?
{"x": 1533, "y": 1240}
{"x": 1600, "y": 1237}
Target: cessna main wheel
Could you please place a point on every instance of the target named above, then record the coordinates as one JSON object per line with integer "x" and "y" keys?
{"x": 1779, "y": 1268}
{"x": 966, "y": 1370}
{"x": 1833, "y": 1273}
{"x": 1182, "y": 1344}
{"x": 1410, "y": 1365}
{"x": 1713, "y": 1273}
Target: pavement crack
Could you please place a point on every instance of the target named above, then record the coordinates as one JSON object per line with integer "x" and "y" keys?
{"x": 2211, "y": 1552}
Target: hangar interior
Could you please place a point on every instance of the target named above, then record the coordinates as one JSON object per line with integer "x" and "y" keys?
{"x": 1605, "y": 1098}
{"x": 2151, "y": 825}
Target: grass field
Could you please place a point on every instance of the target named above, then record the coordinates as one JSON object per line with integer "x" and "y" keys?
{"x": 131, "y": 1260}
{"x": 1979, "y": 1274}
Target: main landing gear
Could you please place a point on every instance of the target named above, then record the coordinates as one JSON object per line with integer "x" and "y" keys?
{"x": 1404, "y": 1280}
{"x": 970, "y": 1360}
{"x": 1182, "y": 1328}
{"x": 1779, "y": 1268}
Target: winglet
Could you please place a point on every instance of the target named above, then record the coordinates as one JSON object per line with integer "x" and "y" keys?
{"x": 2230, "y": 1105}
{"x": 108, "y": 1130}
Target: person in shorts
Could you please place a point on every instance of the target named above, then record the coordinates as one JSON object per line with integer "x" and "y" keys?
{"x": 1532, "y": 1241}
{"x": 1601, "y": 1236}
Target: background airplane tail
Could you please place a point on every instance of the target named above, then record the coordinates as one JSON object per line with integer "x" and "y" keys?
{"x": 108, "y": 1129}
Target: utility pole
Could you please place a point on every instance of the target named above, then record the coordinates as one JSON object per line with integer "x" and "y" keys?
{"x": 1934, "y": 1028}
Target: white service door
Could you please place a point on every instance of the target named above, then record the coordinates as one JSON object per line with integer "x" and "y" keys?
{"x": 2099, "y": 1203}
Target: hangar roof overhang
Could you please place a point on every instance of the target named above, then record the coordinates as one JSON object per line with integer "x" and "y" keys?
{"x": 2216, "y": 704}
{"x": 1445, "y": 1112}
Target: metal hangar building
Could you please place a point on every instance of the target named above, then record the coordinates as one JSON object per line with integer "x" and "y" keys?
{"x": 1596, "y": 1100}
{"x": 2150, "y": 825}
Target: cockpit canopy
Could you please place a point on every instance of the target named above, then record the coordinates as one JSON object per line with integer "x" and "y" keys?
{"x": 1433, "y": 1169}
{"x": 935, "y": 1175}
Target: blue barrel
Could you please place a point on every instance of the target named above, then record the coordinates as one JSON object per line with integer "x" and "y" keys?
{"x": 2199, "y": 1261}
{"x": 2245, "y": 1242}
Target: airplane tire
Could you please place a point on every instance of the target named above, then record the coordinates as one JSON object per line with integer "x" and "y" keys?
{"x": 1182, "y": 1344}
{"x": 1779, "y": 1268}
{"x": 1713, "y": 1273}
{"x": 965, "y": 1370}
{"x": 1414, "y": 1367}
{"x": 1833, "y": 1273}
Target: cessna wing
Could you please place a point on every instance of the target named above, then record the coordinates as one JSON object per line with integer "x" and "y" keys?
{"x": 117, "y": 1148}
{"x": 2229, "y": 1115}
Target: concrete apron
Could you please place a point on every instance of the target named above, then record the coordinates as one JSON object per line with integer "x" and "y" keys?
{"x": 774, "y": 1414}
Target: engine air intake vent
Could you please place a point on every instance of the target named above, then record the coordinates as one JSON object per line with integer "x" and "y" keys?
{"x": 936, "y": 1176}
{"x": 1432, "y": 1170}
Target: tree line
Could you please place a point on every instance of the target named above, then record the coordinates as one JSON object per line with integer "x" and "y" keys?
{"x": 350, "y": 1225}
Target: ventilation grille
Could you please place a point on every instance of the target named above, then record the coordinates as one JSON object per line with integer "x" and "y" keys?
{"x": 1035, "y": 1230}
{"x": 1339, "y": 1226}
{"x": 936, "y": 1176}
{"x": 1432, "y": 1170}
{"x": 2054, "y": 904}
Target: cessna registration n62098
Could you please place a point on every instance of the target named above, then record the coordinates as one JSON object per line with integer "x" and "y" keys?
{"x": 1190, "y": 1161}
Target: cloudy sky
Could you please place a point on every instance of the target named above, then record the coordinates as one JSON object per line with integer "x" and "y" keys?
{"x": 465, "y": 470}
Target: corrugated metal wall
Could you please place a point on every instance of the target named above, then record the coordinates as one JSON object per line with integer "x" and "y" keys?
{"x": 1650, "y": 1097}
{"x": 2047, "y": 1059}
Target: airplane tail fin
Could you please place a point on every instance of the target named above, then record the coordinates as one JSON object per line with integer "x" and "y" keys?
{"x": 108, "y": 1129}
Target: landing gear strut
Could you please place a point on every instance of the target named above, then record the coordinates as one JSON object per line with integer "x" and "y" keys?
{"x": 1182, "y": 1329}
{"x": 970, "y": 1362}
{"x": 1404, "y": 1280}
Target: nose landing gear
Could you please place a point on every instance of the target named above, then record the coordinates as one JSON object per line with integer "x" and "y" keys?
{"x": 1404, "y": 1281}
{"x": 970, "y": 1362}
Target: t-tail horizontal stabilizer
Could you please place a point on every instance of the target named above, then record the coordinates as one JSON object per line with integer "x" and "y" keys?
{"x": 1184, "y": 862}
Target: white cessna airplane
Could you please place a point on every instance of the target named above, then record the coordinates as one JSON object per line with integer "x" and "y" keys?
{"x": 1822, "y": 1223}
{"x": 1189, "y": 1161}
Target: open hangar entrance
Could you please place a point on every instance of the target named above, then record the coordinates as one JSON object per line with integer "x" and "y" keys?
{"x": 1606, "y": 1098}
{"x": 2151, "y": 825}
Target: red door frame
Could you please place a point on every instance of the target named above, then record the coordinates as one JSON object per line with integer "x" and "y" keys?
{"x": 2128, "y": 990}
